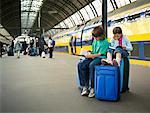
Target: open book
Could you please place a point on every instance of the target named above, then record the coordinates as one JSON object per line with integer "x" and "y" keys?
{"x": 83, "y": 53}
{"x": 114, "y": 47}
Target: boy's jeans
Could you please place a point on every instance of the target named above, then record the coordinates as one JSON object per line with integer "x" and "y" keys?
{"x": 86, "y": 70}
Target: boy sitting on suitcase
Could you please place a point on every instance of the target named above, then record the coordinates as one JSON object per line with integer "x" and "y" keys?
{"x": 119, "y": 48}
{"x": 86, "y": 68}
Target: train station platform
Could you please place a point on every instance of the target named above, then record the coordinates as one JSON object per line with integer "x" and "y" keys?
{"x": 34, "y": 84}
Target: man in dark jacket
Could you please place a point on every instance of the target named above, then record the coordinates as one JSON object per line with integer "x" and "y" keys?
{"x": 41, "y": 44}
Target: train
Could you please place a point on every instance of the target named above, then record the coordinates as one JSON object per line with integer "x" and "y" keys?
{"x": 134, "y": 21}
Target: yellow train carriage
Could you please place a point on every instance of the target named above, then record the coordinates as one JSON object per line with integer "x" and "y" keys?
{"x": 134, "y": 23}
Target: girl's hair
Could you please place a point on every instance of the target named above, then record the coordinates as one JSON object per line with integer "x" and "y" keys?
{"x": 98, "y": 32}
{"x": 117, "y": 30}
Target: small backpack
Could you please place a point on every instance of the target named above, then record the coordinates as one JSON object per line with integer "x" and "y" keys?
{"x": 53, "y": 43}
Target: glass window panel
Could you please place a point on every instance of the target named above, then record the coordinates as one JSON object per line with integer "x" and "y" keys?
{"x": 135, "y": 51}
{"x": 98, "y": 6}
{"x": 146, "y": 49}
{"x": 78, "y": 17}
{"x": 121, "y": 3}
{"x": 109, "y": 7}
{"x": 85, "y": 14}
{"x": 28, "y": 18}
{"x": 34, "y": 9}
{"x": 89, "y": 11}
{"x": 70, "y": 18}
{"x": 68, "y": 22}
{"x": 33, "y": 14}
{"x": 24, "y": 14}
{"x": 75, "y": 19}
{"x": 62, "y": 24}
{"x": 25, "y": 8}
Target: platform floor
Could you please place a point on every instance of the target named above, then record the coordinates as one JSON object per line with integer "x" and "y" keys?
{"x": 34, "y": 84}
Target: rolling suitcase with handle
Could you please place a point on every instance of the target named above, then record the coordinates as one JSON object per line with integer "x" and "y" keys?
{"x": 107, "y": 83}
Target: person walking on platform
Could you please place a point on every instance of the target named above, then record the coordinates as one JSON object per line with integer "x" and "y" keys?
{"x": 18, "y": 47}
{"x": 86, "y": 68}
{"x": 51, "y": 44}
{"x": 37, "y": 44}
{"x": 72, "y": 45}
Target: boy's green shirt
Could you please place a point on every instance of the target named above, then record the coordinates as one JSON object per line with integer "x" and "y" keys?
{"x": 100, "y": 47}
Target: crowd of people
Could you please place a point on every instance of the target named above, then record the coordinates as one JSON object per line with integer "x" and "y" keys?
{"x": 36, "y": 46}
{"x": 103, "y": 52}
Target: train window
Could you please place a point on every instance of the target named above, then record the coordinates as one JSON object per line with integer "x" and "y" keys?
{"x": 109, "y": 23}
{"x": 112, "y": 23}
{"x": 61, "y": 49}
{"x": 146, "y": 49}
{"x": 119, "y": 20}
{"x": 133, "y": 17}
{"x": 135, "y": 52}
{"x": 147, "y": 13}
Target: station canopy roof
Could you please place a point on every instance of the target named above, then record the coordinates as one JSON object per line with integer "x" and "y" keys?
{"x": 62, "y": 13}
{"x": 10, "y": 16}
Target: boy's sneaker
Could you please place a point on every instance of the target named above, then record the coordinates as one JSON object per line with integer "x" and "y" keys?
{"x": 84, "y": 91}
{"x": 105, "y": 62}
{"x": 91, "y": 94}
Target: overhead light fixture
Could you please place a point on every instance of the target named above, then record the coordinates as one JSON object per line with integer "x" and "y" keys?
{"x": 52, "y": 12}
{"x": 1, "y": 26}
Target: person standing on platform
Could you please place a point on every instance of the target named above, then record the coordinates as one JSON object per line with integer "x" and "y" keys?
{"x": 1, "y": 46}
{"x": 18, "y": 48}
{"x": 24, "y": 46}
{"x": 51, "y": 44}
{"x": 41, "y": 45}
{"x": 37, "y": 44}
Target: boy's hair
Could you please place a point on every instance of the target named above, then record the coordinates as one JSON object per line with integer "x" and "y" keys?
{"x": 117, "y": 30}
{"x": 98, "y": 31}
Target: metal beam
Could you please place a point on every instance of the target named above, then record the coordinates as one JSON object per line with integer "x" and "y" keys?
{"x": 4, "y": 36}
{"x": 112, "y": 4}
{"x": 115, "y": 4}
{"x": 104, "y": 16}
{"x": 31, "y": 28}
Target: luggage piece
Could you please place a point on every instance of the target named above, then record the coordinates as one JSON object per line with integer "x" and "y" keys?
{"x": 10, "y": 51}
{"x": 107, "y": 83}
{"x": 78, "y": 81}
{"x": 32, "y": 51}
{"x": 43, "y": 54}
{"x": 77, "y": 77}
{"x": 124, "y": 74}
{"x": 10, "y": 54}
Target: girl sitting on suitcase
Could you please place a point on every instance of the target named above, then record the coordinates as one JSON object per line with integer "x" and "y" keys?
{"x": 86, "y": 68}
{"x": 118, "y": 48}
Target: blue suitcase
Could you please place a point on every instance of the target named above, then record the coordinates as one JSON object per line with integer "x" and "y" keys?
{"x": 124, "y": 74}
{"x": 77, "y": 77}
{"x": 107, "y": 83}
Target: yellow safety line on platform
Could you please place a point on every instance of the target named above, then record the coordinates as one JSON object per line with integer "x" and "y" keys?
{"x": 140, "y": 62}
{"x": 132, "y": 61}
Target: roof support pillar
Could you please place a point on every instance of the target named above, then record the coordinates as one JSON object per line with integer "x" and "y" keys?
{"x": 0, "y": 11}
{"x": 104, "y": 16}
{"x": 0, "y": 28}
